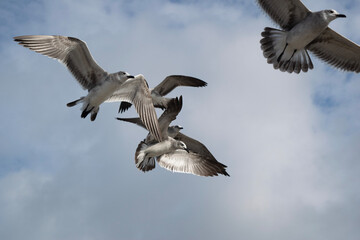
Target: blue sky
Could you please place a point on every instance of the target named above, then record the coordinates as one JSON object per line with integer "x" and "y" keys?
{"x": 291, "y": 142}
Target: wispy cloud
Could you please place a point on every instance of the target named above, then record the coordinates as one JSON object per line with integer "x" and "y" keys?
{"x": 291, "y": 142}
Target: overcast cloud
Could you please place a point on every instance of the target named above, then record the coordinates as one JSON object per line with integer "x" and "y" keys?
{"x": 291, "y": 142}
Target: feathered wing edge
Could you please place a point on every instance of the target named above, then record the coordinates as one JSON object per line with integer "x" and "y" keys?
{"x": 72, "y": 52}
{"x": 336, "y": 50}
{"x": 173, "y": 81}
{"x": 192, "y": 163}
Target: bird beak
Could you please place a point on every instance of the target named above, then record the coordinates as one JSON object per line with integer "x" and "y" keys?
{"x": 180, "y": 127}
{"x": 186, "y": 150}
{"x": 341, "y": 15}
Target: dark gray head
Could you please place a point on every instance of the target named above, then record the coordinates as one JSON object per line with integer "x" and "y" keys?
{"x": 174, "y": 130}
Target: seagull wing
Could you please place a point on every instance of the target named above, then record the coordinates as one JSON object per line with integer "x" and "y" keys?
{"x": 336, "y": 50}
{"x": 173, "y": 81}
{"x": 70, "y": 51}
{"x": 136, "y": 91}
{"x": 136, "y": 121}
{"x": 165, "y": 119}
{"x": 286, "y": 13}
{"x": 182, "y": 161}
{"x": 195, "y": 146}
{"x": 169, "y": 115}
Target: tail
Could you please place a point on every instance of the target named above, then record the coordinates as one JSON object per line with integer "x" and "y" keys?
{"x": 281, "y": 55}
{"x": 143, "y": 162}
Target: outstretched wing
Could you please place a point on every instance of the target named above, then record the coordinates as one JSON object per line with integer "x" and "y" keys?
{"x": 286, "y": 13}
{"x": 336, "y": 50}
{"x": 173, "y": 81}
{"x": 136, "y": 91}
{"x": 169, "y": 115}
{"x": 70, "y": 51}
{"x": 182, "y": 161}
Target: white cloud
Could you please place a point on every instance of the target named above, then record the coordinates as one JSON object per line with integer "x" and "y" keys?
{"x": 292, "y": 155}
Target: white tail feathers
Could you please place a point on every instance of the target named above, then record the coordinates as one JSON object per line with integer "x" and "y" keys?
{"x": 281, "y": 55}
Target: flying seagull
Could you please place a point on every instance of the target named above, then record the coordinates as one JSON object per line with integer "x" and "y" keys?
{"x": 101, "y": 86}
{"x": 166, "y": 86}
{"x": 178, "y": 153}
{"x": 304, "y": 30}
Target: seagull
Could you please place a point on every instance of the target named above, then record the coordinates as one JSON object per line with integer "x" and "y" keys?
{"x": 304, "y": 30}
{"x": 101, "y": 86}
{"x": 178, "y": 153}
{"x": 166, "y": 86}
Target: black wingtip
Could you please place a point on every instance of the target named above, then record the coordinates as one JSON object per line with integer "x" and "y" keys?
{"x": 200, "y": 83}
{"x": 86, "y": 112}
{"x": 225, "y": 173}
{"x": 124, "y": 106}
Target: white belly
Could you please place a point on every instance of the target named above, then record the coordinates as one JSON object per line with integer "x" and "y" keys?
{"x": 305, "y": 32}
{"x": 158, "y": 149}
{"x": 101, "y": 93}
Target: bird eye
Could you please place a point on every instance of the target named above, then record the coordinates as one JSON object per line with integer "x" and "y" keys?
{"x": 331, "y": 11}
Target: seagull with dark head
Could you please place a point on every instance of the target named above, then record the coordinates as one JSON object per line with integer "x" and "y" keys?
{"x": 101, "y": 86}
{"x": 304, "y": 30}
{"x": 177, "y": 152}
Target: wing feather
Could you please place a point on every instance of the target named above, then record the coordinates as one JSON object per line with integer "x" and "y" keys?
{"x": 336, "y": 50}
{"x": 195, "y": 146}
{"x": 286, "y": 13}
{"x": 136, "y": 91}
{"x": 70, "y": 51}
{"x": 173, "y": 81}
{"x": 193, "y": 163}
{"x": 170, "y": 115}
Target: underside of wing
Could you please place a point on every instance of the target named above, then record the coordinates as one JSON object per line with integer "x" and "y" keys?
{"x": 336, "y": 50}
{"x": 70, "y": 51}
{"x": 286, "y": 13}
{"x": 193, "y": 163}
{"x": 173, "y": 81}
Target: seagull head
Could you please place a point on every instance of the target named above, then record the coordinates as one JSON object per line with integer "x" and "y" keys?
{"x": 123, "y": 76}
{"x": 178, "y": 127}
{"x": 182, "y": 145}
{"x": 333, "y": 14}
{"x": 174, "y": 130}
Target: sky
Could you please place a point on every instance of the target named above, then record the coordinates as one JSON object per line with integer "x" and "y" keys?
{"x": 291, "y": 142}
